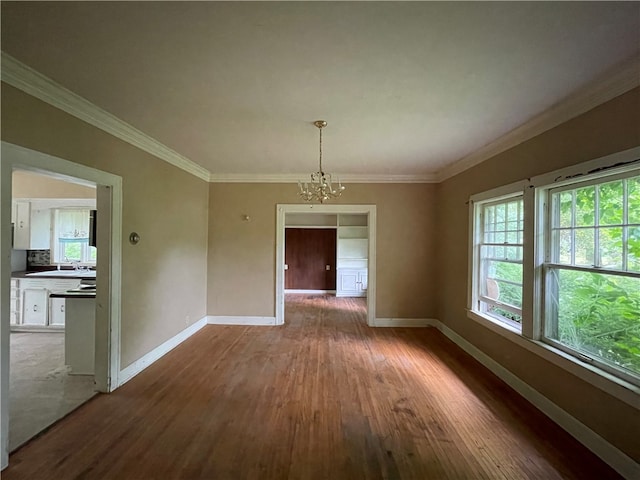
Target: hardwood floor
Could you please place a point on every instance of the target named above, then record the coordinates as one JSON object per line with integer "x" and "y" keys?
{"x": 323, "y": 397}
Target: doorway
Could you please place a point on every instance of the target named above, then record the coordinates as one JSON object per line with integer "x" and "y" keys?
{"x": 53, "y": 262}
{"x": 109, "y": 224}
{"x": 324, "y": 215}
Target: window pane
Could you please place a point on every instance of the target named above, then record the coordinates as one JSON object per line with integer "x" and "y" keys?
{"x": 585, "y": 206}
{"x": 610, "y": 203}
{"x": 71, "y": 251}
{"x": 584, "y": 246}
{"x": 633, "y": 202}
{"x": 598, "y": 315}
{"x": 564, "y": 246}
{"x": 566, "y": 208}
{"x": 93, "y": 254}
{"x": 506, "y": 281}
{"x": 633, "y": 255}
{"x": 611, "y": 247}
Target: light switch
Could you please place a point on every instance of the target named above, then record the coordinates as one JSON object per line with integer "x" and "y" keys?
{"x": 286, "y": 267}
{"x": 327, "y": 267}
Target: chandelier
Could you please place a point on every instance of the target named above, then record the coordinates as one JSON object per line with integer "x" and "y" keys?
{"x": 320, "y": 188}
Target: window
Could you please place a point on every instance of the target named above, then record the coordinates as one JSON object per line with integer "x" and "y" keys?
{"x": 498, "y": 255}
{"x": 71, "y": 237}
{"x": 554, "y": 267}
{"x": 591, "y": 273}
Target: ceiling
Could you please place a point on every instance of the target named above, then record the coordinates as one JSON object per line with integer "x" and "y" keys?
{"x": 407, "y": 88}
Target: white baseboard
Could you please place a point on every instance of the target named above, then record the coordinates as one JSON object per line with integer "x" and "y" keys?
{"x": 405, "y": 322}
{"x": 615, "y": 458}
{"x": 143, "y": 362}
{"x": 230, "y": 320}
{"x": 311, "y": 292}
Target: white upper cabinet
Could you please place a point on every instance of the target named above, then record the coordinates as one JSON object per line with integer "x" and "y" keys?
{"x": 32, "y": 227}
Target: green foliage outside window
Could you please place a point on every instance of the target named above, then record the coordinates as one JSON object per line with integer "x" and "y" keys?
{"x": 599, "y": 315}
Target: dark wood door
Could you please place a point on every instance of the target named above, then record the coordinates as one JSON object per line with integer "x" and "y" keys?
{"x": 308, "y": 251}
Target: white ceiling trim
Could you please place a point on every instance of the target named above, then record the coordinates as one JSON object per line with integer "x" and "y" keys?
{"x": 296, "y": 177}
{"x": 30, "y": 81}
{"x": 622, "y": 79}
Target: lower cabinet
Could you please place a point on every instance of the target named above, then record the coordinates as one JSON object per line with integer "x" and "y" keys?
{"x": 56, "y": 311}
{"x": 31, "y": 305}
{"x": 352, "y": 282}
{"x": 35, "y": 306}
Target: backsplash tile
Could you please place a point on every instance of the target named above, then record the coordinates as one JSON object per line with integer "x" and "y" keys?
{"x": 38, "y": 258}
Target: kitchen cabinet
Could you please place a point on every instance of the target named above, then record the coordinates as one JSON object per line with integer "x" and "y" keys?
{"x": 32, "y": 227}
{"x": 15, "y": 316}
{"x": 30, "y": 303}
{"x": 56, "y": 312}
{"x": 35, "y": 306}
{"x": 352, "y": 282}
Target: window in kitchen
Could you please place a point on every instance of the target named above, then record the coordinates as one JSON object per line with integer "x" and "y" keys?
{"x": 497, "y": 257}
{"x": 71, "y": 237}
{"x": 591, "y": 273}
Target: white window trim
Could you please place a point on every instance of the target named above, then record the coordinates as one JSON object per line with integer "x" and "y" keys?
{"x": 533, "y": 191}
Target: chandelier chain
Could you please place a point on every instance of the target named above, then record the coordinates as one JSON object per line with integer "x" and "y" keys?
{"x": 320, "y": 150}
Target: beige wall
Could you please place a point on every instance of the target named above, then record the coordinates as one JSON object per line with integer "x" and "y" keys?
{"x": 242, "y": 254}
{"x": 612, "y": 127}
{"x": 164, "y": 277}
{"x": 31, "y": 185}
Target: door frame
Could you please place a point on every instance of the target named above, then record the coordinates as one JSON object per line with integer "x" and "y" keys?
{"x": 108, "y": 292}
{"x": 281, "y": 212}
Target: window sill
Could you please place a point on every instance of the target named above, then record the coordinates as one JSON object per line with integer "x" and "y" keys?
{"x": 614, "y": 386}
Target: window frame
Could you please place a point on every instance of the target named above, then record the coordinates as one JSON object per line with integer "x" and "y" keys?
{"x": 477, "y": 296}
{"x": 547, "y": 264}
{"x": 533, "y": 299}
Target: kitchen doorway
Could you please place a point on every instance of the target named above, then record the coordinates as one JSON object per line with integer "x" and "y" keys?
{"x": 109, "y": 223}
{"x": 52, "y": 315}
{"x": 358, "y": 260}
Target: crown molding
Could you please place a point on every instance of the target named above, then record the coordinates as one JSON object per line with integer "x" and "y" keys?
{"x": 32, "y": 82}
{"x": 614, "y": 83}
{"x": 296, "y": 177}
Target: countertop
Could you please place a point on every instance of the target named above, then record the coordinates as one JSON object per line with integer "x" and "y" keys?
{"x": 23, "y": 274}
{"x": 72, "y": 294}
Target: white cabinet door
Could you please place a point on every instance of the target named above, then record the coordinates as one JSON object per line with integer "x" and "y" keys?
{"x": 348, "y": 282}
{"x": 22, "y": 232}
{"x": 56, "y": 311}
{"x": 352, "y": 283}
{"x": 32, "y": 227}
{"x": 35, "y": 306}
{"x": 363, "y": 279}
{"x": 40, "y": 229}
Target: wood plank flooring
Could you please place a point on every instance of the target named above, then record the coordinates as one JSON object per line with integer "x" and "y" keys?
{"x": 323, "y": 397}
